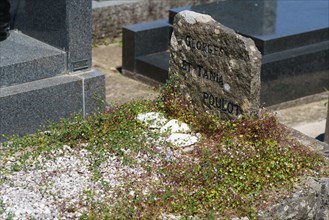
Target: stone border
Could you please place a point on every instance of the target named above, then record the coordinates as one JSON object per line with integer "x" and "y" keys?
{"x": 314, "y": 144}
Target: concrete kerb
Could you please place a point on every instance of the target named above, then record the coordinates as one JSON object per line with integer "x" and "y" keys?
{"x": 312, "y": 143}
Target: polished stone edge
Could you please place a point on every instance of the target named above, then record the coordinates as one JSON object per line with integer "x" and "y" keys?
{"x": 292, "y": 42}
{"x": 285, "y": 54}
{"x": 142, "y": 78}
{"x": 143, "y": 39}
{"x": 33, "y": 70}
{"x": 27, "y": 107}
{"x": 37, "y": 85}
{"x": 154, "y": 66}
{"x": 24, "y": 59}
{"x": 94, "y": 91}
{"x": 296, "y": 61}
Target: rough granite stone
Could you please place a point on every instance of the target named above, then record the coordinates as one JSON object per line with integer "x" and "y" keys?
{"x": 175, "y": 126}
{"x": 182, "y": 140}
{"x": 309, "y": 202}
{"x": 218, "y": 70}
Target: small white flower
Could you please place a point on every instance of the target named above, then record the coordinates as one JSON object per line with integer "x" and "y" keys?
{"x": 132, "y": 193}
{"x": 168, "y": 155}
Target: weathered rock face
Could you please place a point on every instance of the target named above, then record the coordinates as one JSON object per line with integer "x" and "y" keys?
{"x": 218, "y": 70}
{"x": 309, "y": 202}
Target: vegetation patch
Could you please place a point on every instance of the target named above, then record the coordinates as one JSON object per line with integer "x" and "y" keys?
{"x": 238, "y": 168}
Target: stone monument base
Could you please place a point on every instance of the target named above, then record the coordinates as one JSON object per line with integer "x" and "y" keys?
{"x": 36, "y": 88}
{"x": 24, "y": 107}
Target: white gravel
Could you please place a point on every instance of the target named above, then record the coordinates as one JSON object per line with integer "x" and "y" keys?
{"x": 59, "y": 188}
{"x": 61, "y": 184}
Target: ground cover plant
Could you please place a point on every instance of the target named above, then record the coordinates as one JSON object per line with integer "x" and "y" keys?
{"x": 122, "y": 170}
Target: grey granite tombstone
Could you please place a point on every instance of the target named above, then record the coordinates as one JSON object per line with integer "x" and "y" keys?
{"x": 63, "y": 24}
{"x": 45, "y": 65}
{"x": 218, "y": 70}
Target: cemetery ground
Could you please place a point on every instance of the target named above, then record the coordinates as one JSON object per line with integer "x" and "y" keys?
{"x": 119, "y": 89}
{"x": 113, "y": 166}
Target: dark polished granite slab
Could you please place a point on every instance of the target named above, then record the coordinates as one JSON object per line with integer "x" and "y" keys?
{"x": 25, "y": 59}
{"x": 25, "y": 107}
{"x": 274, "y": 25}
{"x": 143, "y": 39}
{"x": 155, "y": 66}
{"x": 49, "y": 40}
{"x": 64, "y": 24}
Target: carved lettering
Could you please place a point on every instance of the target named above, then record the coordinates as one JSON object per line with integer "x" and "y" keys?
{"x": 203, "y": 46}
{"x": 222, "y": 104}
{"x": 188, "y": 40}
{"x": 199, "y": 45}
{"x": 186, "y": 66}
{"x": 202, "y": 72}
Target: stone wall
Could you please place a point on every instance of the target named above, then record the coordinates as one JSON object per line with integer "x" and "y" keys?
{"x": 108, "y": 21}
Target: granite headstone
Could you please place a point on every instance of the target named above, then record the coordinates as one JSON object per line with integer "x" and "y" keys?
{"x": 218, "y": 70}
